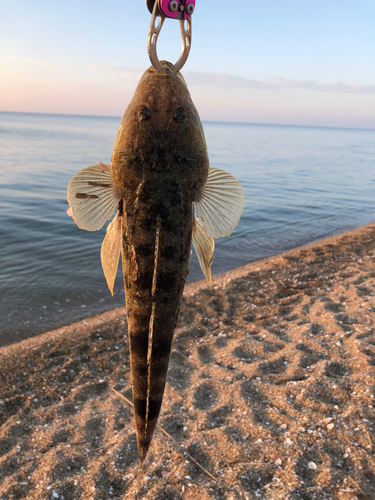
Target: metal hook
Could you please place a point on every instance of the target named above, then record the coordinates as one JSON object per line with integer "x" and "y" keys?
{"x": 157, "y": 20}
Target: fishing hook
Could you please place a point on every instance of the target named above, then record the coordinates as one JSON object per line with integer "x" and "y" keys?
{"x": 173, "y": 9}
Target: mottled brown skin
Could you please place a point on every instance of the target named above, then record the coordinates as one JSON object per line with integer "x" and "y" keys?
{"x": 159, "y": 163}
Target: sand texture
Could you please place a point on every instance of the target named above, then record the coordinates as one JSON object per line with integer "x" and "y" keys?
{"x": 271, "y": 389}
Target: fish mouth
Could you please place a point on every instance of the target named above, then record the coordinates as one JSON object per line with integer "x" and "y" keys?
{"x": 164, "y": 71}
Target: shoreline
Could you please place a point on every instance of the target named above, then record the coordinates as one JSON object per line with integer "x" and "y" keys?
{"x": 271, "y": 389}
{"x": 192, "y": 288}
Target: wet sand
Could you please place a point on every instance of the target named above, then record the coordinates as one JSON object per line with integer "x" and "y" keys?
{"x": 271, "y": 389}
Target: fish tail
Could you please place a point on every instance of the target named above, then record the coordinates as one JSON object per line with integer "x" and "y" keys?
{"x": 153, "y": 299}
{"x": 149, "y": 379}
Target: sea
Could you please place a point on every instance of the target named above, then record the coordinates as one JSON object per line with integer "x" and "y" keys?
{"x": 301, "y": 184}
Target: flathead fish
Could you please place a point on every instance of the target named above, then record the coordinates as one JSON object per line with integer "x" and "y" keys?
{"x": 166, "y": 197}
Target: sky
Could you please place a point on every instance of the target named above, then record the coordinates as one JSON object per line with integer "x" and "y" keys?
{"x": 294, "y": 62}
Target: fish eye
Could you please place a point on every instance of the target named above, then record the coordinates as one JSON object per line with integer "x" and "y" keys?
{"x": 144, "y": 114}
{"x": 179, "y": 115}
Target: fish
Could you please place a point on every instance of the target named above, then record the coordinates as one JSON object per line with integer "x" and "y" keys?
{"x": 166, "y": 198}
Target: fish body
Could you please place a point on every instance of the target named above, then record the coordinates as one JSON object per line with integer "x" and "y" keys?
{"x": 159, "y": 163}
{"x": 159, "y": 179}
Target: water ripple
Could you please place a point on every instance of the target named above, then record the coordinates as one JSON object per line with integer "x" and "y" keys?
{"x": 300, "y": 183}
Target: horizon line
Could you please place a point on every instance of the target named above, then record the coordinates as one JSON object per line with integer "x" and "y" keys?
{"x": 204, "y": 121}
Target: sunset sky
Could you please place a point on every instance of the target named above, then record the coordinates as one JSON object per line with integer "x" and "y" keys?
{"x": 292, "y": 62}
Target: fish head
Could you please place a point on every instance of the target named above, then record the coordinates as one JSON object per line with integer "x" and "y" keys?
{"x": 160, "y": 133}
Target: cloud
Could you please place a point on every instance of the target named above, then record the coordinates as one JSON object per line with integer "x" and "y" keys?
{"x": 28, "y": 61}
{"x": 234, "y": 81}
{"x": 223, "y": 80}
{"x": 131, "y": 73}
{"x": 336, "y": 87}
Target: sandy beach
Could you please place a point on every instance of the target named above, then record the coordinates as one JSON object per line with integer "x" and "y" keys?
{"x": 270, "y": 393}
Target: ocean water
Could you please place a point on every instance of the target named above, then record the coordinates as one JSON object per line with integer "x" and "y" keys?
{"x": 301, "y": 184}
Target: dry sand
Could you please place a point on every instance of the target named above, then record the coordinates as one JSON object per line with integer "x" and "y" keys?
{"x": 230, "y": 402}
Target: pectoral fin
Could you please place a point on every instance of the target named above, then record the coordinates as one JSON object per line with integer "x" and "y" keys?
{"x": 110, "y": 253}
{"x": 204, "y": 246}
{"x": 220, "y": 203}
{"x": 92, "y": 197}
